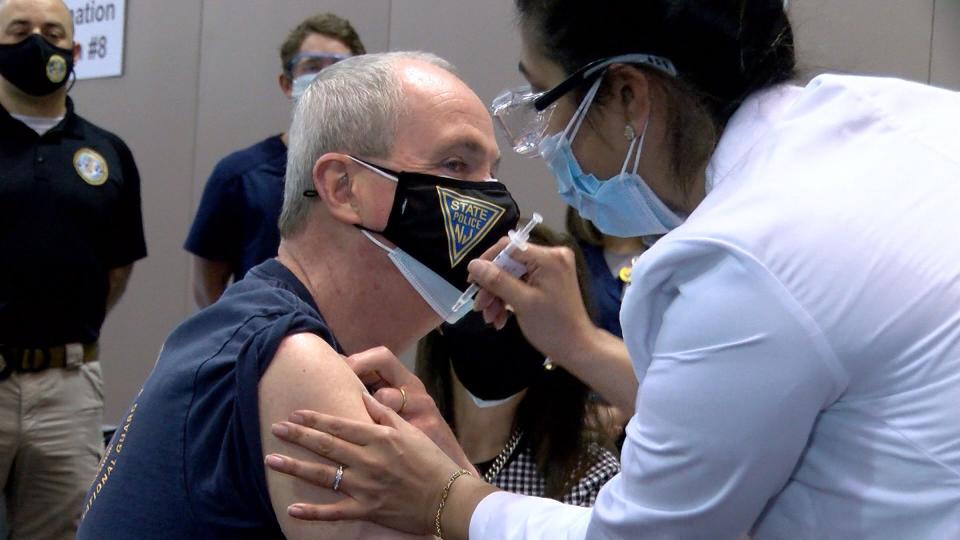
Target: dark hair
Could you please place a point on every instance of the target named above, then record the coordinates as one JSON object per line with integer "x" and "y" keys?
{"x": 327, "y": 24}
{"x": 553, "y": 414}
{"x": 724, "y": 50}
{"x": 582, "y": 229}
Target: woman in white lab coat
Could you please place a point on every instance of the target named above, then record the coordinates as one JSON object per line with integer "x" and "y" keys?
{"x": 791, "y": 344}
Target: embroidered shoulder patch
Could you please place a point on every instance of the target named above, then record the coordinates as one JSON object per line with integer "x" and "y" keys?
{"x": 91, "y": 166}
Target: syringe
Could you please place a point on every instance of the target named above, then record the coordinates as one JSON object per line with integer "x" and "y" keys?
{"x": 518, "y": 240}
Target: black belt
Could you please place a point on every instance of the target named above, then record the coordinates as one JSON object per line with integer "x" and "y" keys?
{"x": 34, "y": 359}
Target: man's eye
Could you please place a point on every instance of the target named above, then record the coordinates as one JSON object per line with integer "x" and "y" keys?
{"x": 455, "y": 166}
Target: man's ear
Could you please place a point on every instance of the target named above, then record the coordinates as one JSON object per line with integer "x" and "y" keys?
{"x": 286, "y": 84}
{"x": 334, "y": 187}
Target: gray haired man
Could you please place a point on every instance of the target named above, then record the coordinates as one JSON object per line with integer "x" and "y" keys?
{"x": 385, "y": 203}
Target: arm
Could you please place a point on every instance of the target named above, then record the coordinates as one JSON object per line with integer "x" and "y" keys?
{"x": 727, "y": 408}
{"x": 616, "y": 381}
{"x": 215, "y": 237}
{"x": 118, "y": 278}
{"x": 127, "y": 243}
{"x": 725, "y": 411}
{"x": 307, "y": 373}
{"x": 210, "y": 279}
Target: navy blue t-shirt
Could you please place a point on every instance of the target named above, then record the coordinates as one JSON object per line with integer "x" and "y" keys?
{"x": 186, "y": 460}
{"x": 605, "y": 291}
{"x": 237, "y": 219}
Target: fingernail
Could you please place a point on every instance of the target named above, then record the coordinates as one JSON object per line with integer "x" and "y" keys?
{"x": 274, "y": 460}
{"x": 478, "y": 269}
{"x": 295, "y": 510}
{"x": 297, "y": 418}
{"x": 280, "y": 430}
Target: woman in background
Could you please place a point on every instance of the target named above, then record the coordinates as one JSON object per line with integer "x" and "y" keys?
{"x": 527, "y": 426}
{"x": 608, "y": 261}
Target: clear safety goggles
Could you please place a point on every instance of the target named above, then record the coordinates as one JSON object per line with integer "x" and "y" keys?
{"x": 312, "y": 62}
{"x": 523, "y": 115}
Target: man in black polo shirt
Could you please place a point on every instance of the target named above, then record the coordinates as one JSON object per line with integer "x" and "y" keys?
{"x": 70, "y": 230}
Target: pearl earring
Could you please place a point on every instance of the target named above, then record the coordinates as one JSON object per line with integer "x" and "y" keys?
{"x": 629, "y": 133}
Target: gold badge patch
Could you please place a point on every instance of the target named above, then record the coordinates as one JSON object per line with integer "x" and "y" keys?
{"x": 467, "y": 220}
{"x": 56, "y": 68}
{"x": 91, "y": 166}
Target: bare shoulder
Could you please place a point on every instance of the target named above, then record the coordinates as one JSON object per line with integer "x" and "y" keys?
{"x": 305, "y": 373}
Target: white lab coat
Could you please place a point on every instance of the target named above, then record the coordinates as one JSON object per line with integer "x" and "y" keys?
{"x": 798, "y": 338}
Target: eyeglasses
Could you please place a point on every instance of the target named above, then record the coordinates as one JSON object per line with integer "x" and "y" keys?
{"x": 312, "y": 62}
{"x": 523, "y": 114}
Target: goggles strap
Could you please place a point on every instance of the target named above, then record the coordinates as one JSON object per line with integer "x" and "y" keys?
{"x": 573, "y": 127}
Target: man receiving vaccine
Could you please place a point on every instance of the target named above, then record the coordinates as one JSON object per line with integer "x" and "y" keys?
{"x": 389, "y": 155}
{"x": 236, "y": 224}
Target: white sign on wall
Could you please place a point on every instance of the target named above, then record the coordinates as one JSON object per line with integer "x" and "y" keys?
{"x": 98, "y": 29}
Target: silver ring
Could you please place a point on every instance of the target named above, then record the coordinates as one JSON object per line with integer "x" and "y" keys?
{"x": 338, "y": 478}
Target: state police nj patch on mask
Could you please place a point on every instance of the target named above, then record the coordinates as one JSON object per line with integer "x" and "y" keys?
{"x": 444, "y": 223}
{"x": 467, "y": 221}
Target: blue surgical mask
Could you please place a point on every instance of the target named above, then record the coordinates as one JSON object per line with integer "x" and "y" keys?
{"x": 623, "y": 205}
{"x": 301, "y": 83}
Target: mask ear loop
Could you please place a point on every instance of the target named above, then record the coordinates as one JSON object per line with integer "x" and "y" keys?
{"x": 379, "y": 244}
{"x": 637, "y": 143}
{"x": 376, "y": 170}
{"x": 573, "y": 127}
{"x": 73, "y": 80}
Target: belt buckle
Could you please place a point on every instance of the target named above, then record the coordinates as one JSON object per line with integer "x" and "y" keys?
{"x": 33, "y": 365}
{"x": 73, "y": 355}
{"x": 6, "y": 363}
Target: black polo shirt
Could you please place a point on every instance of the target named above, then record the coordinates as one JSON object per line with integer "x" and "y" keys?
{"x": 69, "y": 212}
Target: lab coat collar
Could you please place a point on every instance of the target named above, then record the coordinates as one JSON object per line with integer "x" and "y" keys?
{"x": 747, "y": 127}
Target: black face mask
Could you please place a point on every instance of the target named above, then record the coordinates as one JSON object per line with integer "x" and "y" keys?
{"x": 35, "y": 66}
{"x": 492, "y": 364}
{"x": 445, "y": 223}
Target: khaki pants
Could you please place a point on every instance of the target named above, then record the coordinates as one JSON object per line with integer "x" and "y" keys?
{"x": 50, "y": 447}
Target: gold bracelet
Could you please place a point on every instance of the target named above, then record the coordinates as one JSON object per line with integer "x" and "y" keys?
{"x": 443, "y": 497}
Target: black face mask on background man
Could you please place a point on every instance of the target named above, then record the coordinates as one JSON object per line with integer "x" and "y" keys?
{"x": 35, "y": 66}
{"x": 491, "y": 364}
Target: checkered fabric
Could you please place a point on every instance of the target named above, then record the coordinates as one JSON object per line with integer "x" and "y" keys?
{"x": 520, "y": 475}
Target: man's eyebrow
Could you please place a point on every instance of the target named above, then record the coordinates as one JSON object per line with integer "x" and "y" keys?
{"x": 469, "y": 143}
{"x": 56, "y": 25}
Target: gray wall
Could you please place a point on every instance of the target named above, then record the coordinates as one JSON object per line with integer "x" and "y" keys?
{"x": 200, "y": 81}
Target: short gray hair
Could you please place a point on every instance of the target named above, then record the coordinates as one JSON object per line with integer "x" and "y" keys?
{"x": 354, "y": 107}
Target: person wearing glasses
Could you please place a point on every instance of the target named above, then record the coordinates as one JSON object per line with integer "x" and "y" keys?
{"x": 791, "y": 343}
{"x": 235, "y": 227}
